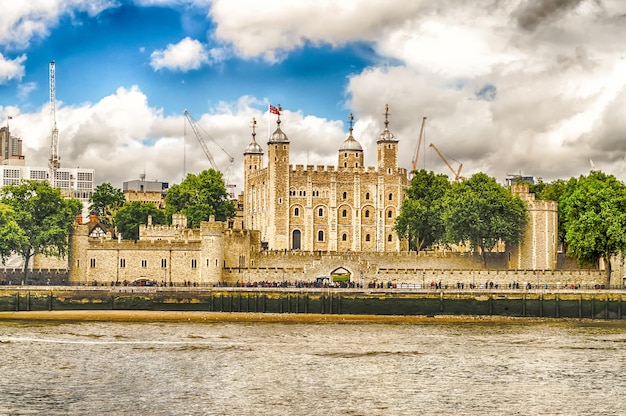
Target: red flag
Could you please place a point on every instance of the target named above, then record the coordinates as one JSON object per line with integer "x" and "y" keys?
{"x": 274, "y": 110}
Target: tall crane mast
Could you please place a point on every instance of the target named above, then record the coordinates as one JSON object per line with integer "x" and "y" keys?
{"x": 419, "y": 145}
{"x": 53, "y": 162}
{"x": 194, "y": 126}
{"x": 456, "y": 173}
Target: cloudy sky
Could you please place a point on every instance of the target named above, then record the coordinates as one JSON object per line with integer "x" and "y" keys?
{"x": 509, "y": 87}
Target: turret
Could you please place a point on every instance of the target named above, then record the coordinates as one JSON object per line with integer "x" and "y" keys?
{"x": 350, "y": 152}
{"x": 278, "y": 190}
{"x": 387, "y": 145}
{"x": 252, "y": 162}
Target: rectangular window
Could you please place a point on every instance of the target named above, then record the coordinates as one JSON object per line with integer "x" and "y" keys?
{"x": 92, "y": 263}
{"x": 122, "y": 263}
{"x": 163, "y": 263}
{"x": 194, "y": 263}
{"x": 144, "y": 263}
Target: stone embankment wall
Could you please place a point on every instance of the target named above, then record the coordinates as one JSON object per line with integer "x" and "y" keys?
{"x": 512, "y": 303}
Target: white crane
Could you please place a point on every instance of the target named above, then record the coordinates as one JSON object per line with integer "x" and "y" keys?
{"x": 53, "y": 162}
{"x": 420, "y": 139}
{"x": 196, "y": 130}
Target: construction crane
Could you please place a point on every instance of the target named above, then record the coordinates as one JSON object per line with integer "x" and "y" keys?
{"x": 53, "y": 162}
{"x": 196, "y": 130}
{"x": 457, "y": 173}
{"x": 419, "y": 145}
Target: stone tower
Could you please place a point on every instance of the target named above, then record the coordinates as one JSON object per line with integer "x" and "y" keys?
{"x": 387, "y": 145}
{"x": 278, "y": 192}
{"x": 538, "y": 251}
{"x": 252, "y": 162}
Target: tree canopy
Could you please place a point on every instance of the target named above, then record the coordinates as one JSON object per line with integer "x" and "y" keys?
{"x": 11, "y": 235}
{"x": 199, "y": 197}
{"x": 595, "y": 218}
{"x": 481, "y": 212}
{"x": 420, "y": 220}
{"x": 105, "y": 201}
{"x": 133, "y": 214}
{"x": 44, "y": 217}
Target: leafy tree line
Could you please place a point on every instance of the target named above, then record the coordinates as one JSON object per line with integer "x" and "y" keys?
{"x": 35, "y": 218}
{"x": 197, "y": 196}
{"x": 477, "y": 211}
{"x": 592, "y": 214}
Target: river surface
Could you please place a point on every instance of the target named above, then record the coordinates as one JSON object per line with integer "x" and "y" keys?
{"x": 261, "y": 368}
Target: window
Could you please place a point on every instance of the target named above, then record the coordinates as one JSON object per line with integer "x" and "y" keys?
{"x": 389, "y": 214}
{"x": 296, "y": 212}
{"x": 367, "y": 195}
{"x": 367, "y": 213}
{"x": 144, "y": 263}
{"x": 344, "y": 213}
{"x": 390, "y": 238}
{"x": 345, "y": 165}
{"x": 391, "y": 197}
{"x": 92, "y": 263}
{"x": 320, "y": 212}
{"x": 345, "y": 155}
{"x": 344, "y": 237}
{"x": 163, "y": 263}
{"x": 122, "y": 263}
{"x": 356, "y": 165}
{"x": 345, "y": 195}
{"x": 194, "y": 263}
{"x": 320, "y": 235}
{"x": 367, "y": 237}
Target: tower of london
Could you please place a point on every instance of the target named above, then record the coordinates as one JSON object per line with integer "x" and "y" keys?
{"x": 349, "y": 207}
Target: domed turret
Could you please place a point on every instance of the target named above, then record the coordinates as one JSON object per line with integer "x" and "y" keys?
{"x": 351, "y": 144}
{"x": 253, "y": 148}
{"x": 386, "y": 135}
{"x": 278, "y": 136}
{"x": 350, "y": 151}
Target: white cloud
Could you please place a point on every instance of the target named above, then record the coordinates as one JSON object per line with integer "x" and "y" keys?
{"x": 21, "y": 21}
{"x": 185, "y": 55}
{"x": 11, "y": 69}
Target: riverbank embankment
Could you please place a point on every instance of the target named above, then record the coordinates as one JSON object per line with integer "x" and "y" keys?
{"x": 592, "y": 304}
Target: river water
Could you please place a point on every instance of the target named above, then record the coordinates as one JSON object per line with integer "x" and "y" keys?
{"x": 225, "y": 368}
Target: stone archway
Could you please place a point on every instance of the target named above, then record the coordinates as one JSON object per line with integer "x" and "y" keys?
{"x": 341, "y": 275}
{"x": 296, "y": 240}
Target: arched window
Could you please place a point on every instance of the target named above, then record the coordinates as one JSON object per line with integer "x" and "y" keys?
{"x": 391, "y": 197}
{"x": 344, "y": 237}
{"x": 320, "y": 235}
{"x": 345, "y": 164}
{"x": 390, "y": 238}
{"x": 356, "y": 165}
{"x": 389, "y": 214}
{"x": 344, "y": 195}
{"x": 367, "y": 195}
{"x": 296, "y": 212}
{"x": 367, "y": 237}
{"x": 367, "y": 213}
{"x": 344, "y": 213}
{"x": 320, "y": 212}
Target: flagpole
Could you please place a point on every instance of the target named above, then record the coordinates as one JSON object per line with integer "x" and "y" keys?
{"x": 269, "y": 113}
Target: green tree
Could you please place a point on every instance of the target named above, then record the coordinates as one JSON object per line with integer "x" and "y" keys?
{"x": 420, "y": 220}
{"x": 199, "y": 197}
{"x": 11, "y": 235}
{"x": 595, "y": 219}
{"x": 44, "y": 217}
{"x": 133, "y": 214}
{"x": 105, "y": 201}
{"x": 481, "y": 212}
